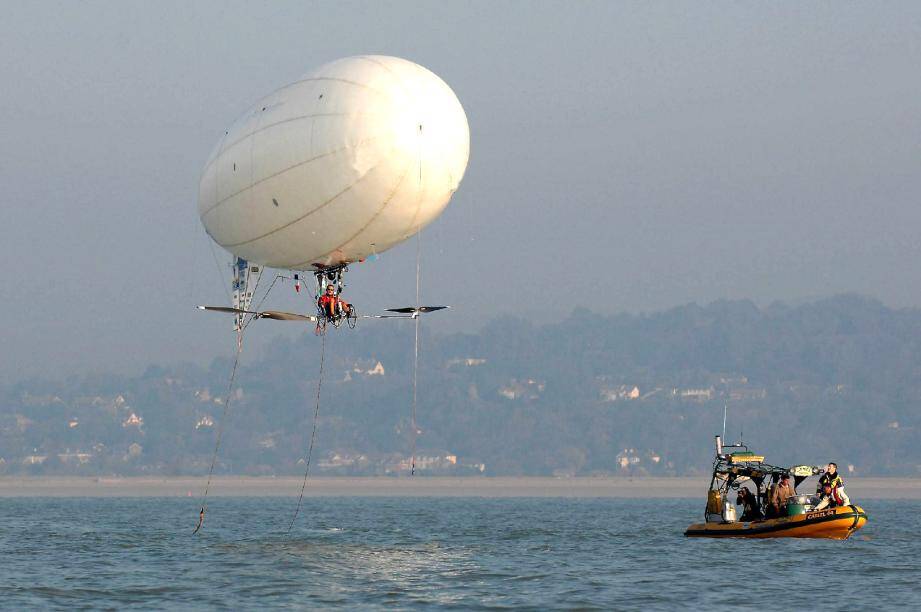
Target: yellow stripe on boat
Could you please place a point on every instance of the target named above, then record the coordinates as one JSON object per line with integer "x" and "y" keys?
{"x": 833, "y": 523}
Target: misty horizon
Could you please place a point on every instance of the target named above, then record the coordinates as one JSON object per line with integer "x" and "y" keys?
{"x": 627, "y": 158}
{"x": 260, "y": 338}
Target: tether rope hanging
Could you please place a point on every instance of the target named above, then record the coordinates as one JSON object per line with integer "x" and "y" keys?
{"x": 313, "y": 435}
{"x": 233, "y": 375}
{"x": 412, "y": 471}
{"x": 259, "y": 305}
{"x": 220, "y": 433}
{"x": 220, "y": 272}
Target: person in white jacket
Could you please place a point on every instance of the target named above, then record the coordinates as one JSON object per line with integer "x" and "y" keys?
{"x": 832, "y": 497}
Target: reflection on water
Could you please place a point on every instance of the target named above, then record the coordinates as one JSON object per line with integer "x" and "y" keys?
{"x": 454, "y": 552}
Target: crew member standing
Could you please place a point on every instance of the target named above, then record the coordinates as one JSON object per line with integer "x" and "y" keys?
{"x": 829, "y": 477}
{"x": 780, "y": 494}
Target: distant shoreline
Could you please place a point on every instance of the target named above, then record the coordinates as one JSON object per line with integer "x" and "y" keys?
{"x": 420, "y": 486}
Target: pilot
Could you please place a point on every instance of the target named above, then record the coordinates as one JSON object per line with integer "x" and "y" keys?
{"x": 332, "y": 305}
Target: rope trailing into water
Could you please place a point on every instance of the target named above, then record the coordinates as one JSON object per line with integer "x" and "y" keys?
{"x": 413, "y": 417}
{"x": 313, "y": 435}
{"x": 415, "y": 429}
{"x": 412, "y": 469}
{"x": 220, "y": 433}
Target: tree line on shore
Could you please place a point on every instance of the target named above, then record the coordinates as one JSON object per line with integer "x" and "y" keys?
{"x": 832, "y": 380}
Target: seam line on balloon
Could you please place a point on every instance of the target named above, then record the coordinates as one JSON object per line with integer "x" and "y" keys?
{"x": 335, "y": 79}
{"x": 300, "y": 82}
{"x": 393, "y": 74}
{"x": 377, "y": 214}
{"x": 283, "y": 170}
{"x": 268, "y": 126}
{"x": 302, "y": 217}
{"x": 399, "y": 81}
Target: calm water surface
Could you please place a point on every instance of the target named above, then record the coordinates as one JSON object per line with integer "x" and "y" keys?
{"x": 365, "y": 553}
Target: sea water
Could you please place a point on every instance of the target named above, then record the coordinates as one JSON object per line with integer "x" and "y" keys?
{"x": 464, "y": 553}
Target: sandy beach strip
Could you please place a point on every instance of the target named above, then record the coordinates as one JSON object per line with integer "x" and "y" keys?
{"x": 420, "y": 486}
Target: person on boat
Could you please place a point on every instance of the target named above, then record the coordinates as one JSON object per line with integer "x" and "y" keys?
{"x": 831, "y": 477}
{"x": 780, "y": 493}
{"x": 771, "y": 510}
{"x": 750, "y": 509}
{"x": 332, "y": 305}
{"x": 832, "y": 497}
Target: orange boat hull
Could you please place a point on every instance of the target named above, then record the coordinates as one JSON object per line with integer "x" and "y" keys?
{"x": 833, "y": 523}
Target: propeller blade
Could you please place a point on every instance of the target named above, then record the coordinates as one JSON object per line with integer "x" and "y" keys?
{"x": 412, "y": 309}
{"x": 227, "y": 309}
{"x": 286, "y": 316}
{"x": 268, "y": 314}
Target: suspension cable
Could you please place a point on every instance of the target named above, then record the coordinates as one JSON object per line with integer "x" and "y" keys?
{"x": 258, "y": 306}
{"x": 416, "y": 350}
{"x": 220, "y": 432}
{"x": 412, "y": 470}
{"x": 313, "y": 434}
{"x": 220, "y": 272}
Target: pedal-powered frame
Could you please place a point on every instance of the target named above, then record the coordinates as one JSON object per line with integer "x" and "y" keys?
{"x": 325, "y": 276}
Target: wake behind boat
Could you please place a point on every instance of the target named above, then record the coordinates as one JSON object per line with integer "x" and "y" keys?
{"x": 793, "y": 516}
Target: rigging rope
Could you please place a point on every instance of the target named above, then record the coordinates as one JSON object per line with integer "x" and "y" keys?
{"x": 233, "y": 375}
{"x": 313, "y": 435}
{"x": 220, "y": 272}
{"x": 258, "y": 306}
{"x": 220, "y": 432}
{"x": 412, "y": 470}
{"x": 416, "y": 349}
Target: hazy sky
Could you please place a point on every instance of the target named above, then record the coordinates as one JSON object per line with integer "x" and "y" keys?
{"x": 628, "y": 156}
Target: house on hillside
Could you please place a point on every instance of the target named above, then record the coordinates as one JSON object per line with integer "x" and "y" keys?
{"x": 622, "y": 392}
{"x": 133, "y": 420}
{"x": 466, "y": 361}
{"x": 627, "y": 458}
{"x": 522, "y": 389}
{"x": 372, "y": 367}
{"x": 40, "y": 400}
{"x": 377, "y": 370}
{"x": 695, "y": 395}
{"x": 336, "y": 460}
{"x": 77, "y": 457}
{"x": 740, "y": 394}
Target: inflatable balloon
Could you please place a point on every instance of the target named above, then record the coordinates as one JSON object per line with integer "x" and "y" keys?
{"x": 343, "y": 163}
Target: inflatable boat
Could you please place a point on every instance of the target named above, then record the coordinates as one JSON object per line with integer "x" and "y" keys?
{"x": 833, "y": 523}
{"x": 799, "y": 516}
